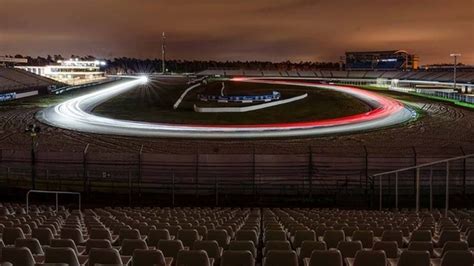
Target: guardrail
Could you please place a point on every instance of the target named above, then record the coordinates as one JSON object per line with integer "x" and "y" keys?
{"x": 417, "y": 169}
{"x": 50, "y": 192}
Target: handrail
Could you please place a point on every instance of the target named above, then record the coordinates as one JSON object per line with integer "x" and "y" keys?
{"x": 424, "y": 165}
{"x": 50, "y": 192}
{"x": 417, "y": 168}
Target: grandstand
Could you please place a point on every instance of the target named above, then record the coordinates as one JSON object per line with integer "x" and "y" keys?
{"x": 22, "y": 83}
{"x": 422, "y": 75}
{"x": 233, "y": 236}
{"x": 381, "y": 60}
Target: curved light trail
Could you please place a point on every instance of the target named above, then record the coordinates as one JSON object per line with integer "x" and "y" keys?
{"x": 75, "y": 114}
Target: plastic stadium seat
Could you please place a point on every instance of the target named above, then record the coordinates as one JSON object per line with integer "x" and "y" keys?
{"x": 145, "y": 229}
{"x": 188, "y": 236}
{"x": 26, "y": 228}
{"x": 67, "y": 243}
{"x": 390, "y": 248}
{"x": 247, "y": 235}
{"x": 44, "y": 235}
{"x": 202, "y": 230}
{"x": 97, "y": 243}
{"x": 243, "y": 245}
{"x": 173, "y": 229}
{"x": 368, "y": 258}
{"x": 457, "y": 258}
{"x": 302, "y": 235}
{"x": 31, "y": 243}
{"x": 332, "y": 237}
{"x": 51, "y": 226}
{"x": 156, "y": 235}
{"x": 104, "y": 256}
{"x": 349, "y": 230}
{"x": 307, "y": 247}
{"x": 420, "y": 235}
{"x": 470, "y": 238}
{"x": 211, "y": 247}
{"x": 61, "y": 255}
{"x": 220, "y": 235}
{"x": 451, "y": 245}
{"x": 130, "y": 245}
{"x": 102, "y": 234}
{"x": 17, "y": 256}
{"x": 378, "y": 231}
{"x": 10, "y": 234}
{"x": 280, "y": 257}
{"x": 276, "y": 245}
{"x": 4, "y": 211}
{"x": 274, "y": 235}
{"x": 170, "y": 248}
{"x": 74, "y": 234}
{"x": 414, "y": 258}
{"x": 193, "y": 258}
{"x": 364, "y": 236}
{"x": 422, "y": 246}
{"x": 447, "y": 235}
{"x": 324, "y": 258}
{"x": 321, "y": 229}
{"x": 393, "y": 235}
{"x": 349, "y": 249}
{"x": 237, "y": 258}
{"x": 128, "y": 234}
{"x": 149, "y": 258}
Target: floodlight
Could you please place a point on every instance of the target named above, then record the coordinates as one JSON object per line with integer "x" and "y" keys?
{"x": 144, "y": 79}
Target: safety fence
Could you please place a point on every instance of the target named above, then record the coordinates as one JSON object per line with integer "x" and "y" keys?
{"x": 320, "y": 176}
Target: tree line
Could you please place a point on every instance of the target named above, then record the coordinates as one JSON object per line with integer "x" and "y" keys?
{"x": 136, "y": 65}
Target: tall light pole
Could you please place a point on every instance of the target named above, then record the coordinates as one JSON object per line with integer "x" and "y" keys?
{"x": 163, "y": 53}
{"x": 455, "y": 65}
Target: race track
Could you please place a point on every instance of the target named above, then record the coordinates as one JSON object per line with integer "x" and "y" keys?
{"x": 76, "y": 114}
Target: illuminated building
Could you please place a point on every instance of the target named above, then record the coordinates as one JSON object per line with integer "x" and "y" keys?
{"x": 72, "y": 72}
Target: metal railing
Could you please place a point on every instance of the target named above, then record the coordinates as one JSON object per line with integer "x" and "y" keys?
{"x": 51, "y": 192}
{"x": 417, "y": 168}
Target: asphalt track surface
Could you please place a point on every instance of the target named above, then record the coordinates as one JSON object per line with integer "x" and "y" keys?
{"x": 76, "y": 114}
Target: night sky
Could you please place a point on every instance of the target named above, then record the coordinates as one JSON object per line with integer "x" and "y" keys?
{"x": 276, "y": 30}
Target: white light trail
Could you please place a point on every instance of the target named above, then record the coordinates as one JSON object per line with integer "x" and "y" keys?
{"x": 75, "y": 114}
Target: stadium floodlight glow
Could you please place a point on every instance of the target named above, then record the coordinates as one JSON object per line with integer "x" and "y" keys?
{"x": 143, "y": 79}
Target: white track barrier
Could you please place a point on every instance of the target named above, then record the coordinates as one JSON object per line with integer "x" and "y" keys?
{"x": 247, "y": 108}
{"x": 178, "y": 102}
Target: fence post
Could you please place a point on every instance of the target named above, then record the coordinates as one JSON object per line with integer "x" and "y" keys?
{"x": 396, "y": 191}
{"x": 84, "y": 167}
{"x": 217, "y": 191}
{"x": 380, "y": 192}
{"x": 197, "y": 174}
{"x": 464, "y": 173}
{"x": 415, "y": 162}
{"x": 431, "y": 189}
{"x": 140, "y": 172}
{"x": 417, "y": 190}
{"x": 310, "y": 172}
{"x": 254, "y": 173}
{"x": 447, "y": 190}
{"x": 33, "y": 163}
{"x": 129, "y": 189}
{"x": 369, "y": 201}
{"x": 47, "y": 179}
{"x": 172, "y": 191}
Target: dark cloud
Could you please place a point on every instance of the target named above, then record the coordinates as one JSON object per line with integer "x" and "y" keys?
{"x": 274, "y": 30}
